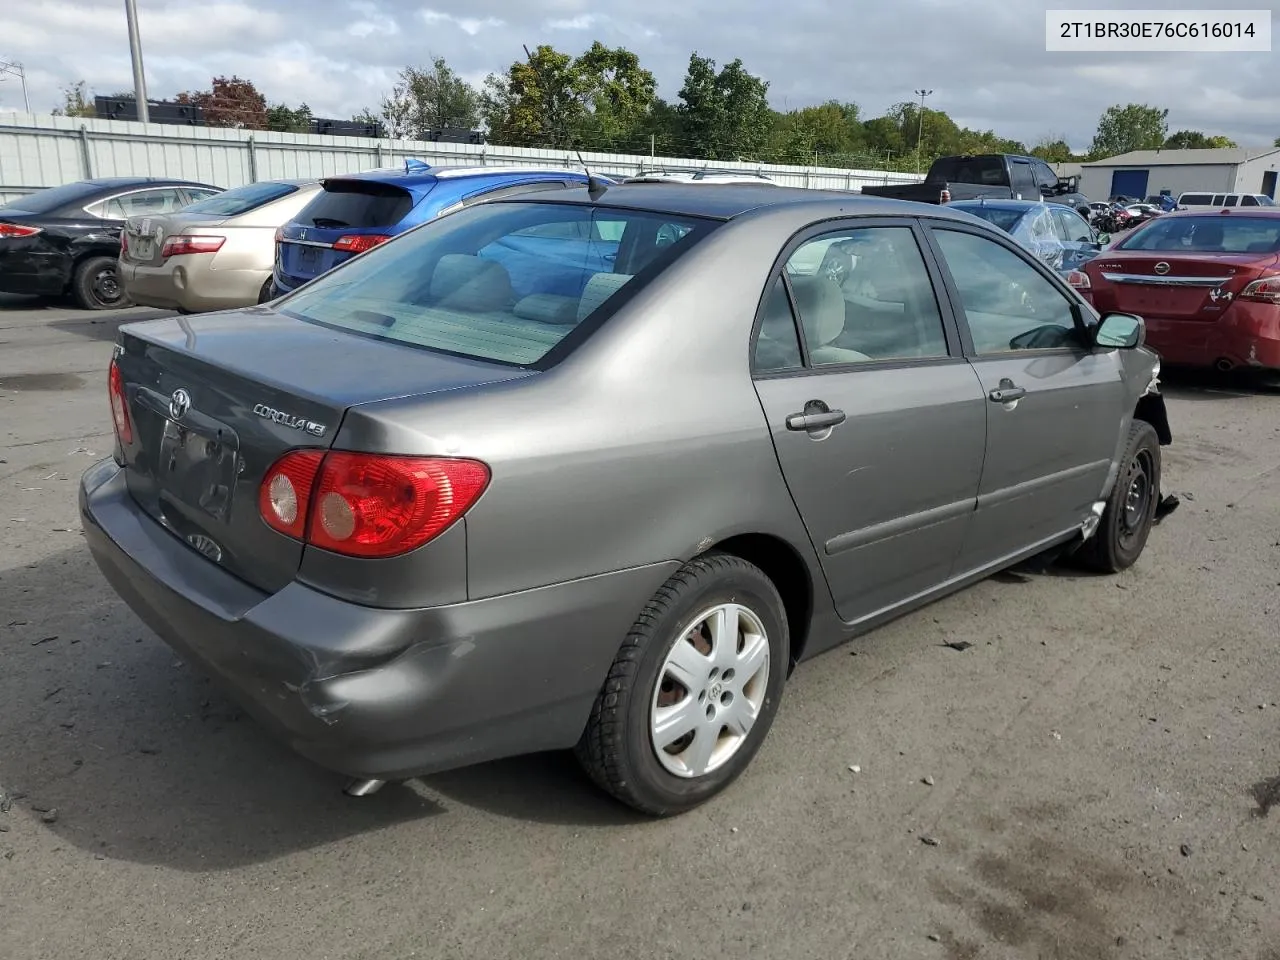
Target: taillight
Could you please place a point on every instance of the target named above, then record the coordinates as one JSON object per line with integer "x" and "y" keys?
{"x": 1079, "y": 279}
{"x": 17, "y": 230}
{"x": 358, "y": 242}
{"x": 1263, "y": 290}
{"x": 368, "y": 505}
{"x": 944, "y": 197}
{"x": 180, "y": 246}
{"x": 285, "y": 495}
{"x": 119, "y": 405}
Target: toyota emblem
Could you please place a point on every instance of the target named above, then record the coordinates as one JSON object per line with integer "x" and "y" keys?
{"x": 1162, "y": 268}
{"x": 179, "y": 404}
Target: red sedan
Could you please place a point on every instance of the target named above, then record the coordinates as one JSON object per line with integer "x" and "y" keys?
{"x": 1207, "y": 285}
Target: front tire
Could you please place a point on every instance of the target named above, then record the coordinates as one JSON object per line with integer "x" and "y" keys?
{"x": 95, "y": 285}
{"x": 693, "y": 691}
{"x": 1131, "y": 507}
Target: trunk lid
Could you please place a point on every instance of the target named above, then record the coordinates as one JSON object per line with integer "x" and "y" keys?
{"x": 1174, "y": 286}
{"x": 342, "y": 208}
{"x": 214, "y": 401}
{"x": 143, "y": 237}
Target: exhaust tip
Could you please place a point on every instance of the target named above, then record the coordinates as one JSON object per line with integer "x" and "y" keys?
{"x": 1223, "y": 365}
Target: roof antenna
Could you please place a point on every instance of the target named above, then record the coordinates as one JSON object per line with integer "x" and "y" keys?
{"x": 595, "y": 186}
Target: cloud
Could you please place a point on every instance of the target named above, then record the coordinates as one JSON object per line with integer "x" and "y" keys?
{"x": 985, "y": 60}
{"x": 468, "y": 25}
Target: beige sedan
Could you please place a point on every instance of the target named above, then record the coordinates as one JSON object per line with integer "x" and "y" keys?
{"x": 215, "y": 254}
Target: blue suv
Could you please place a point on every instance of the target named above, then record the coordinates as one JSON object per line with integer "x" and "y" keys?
{"x": 357, "y": 211}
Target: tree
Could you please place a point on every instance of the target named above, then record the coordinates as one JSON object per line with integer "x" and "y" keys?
{"x": 552, "y": 99}
{"x": 438, "y": 98}
{"x": 286, "y": 119}
{"x": 1123, "y": 129}
{"x": 75, "y": 102}
{"x": 725, "y": 115}
{"x": 1053, "y": 148}
{"x": 230, "y": 102}
{"x": 1195, "y": 140}
{"x": 828, "y": 135}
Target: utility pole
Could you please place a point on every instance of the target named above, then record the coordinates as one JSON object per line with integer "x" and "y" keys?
{"x": 920, "y": 132}
{"x": 9, "y": 66}
{"x": 135, "y": 52}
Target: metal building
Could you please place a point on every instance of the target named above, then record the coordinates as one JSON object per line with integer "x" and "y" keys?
{"x": 1145, "y": 173}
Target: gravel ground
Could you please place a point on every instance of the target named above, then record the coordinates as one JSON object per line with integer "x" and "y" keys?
{"x": 1090, "y": 779}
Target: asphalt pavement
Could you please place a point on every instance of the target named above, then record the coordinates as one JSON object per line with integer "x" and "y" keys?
{"x": 1088, "y": 776}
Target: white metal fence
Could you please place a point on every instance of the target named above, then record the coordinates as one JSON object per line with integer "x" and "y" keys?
{"x": 38, "y": 151}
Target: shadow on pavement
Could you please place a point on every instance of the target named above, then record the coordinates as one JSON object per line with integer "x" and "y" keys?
{"x": 143, "y": 759}
{"x": 1183, "y": 383}
{"x": 104, "y": 325}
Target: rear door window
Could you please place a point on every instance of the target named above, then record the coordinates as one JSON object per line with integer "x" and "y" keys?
{"x": 357, "y": 203}
{"x": 1218, "y": 199}
{"x": 1249, "y": 200}
{"x": 1231, "y": 200}
{"x": 508, "y": 281}
{"x": 143, "y": 203}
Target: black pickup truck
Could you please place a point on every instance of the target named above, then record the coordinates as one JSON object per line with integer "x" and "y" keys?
{"x": 993, "y": 175}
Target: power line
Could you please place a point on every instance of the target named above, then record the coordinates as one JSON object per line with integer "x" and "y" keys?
{"x": 13, "y": 68}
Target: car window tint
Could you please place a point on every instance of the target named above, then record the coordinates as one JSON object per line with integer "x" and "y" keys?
{"x": 1249, "y": 200}
{"x": 144, "y": 203}
{"x": 777, "y": 344}
{"x": 1009, "y": 305}
{"x": 1231, "y": 200}
{"x": 238, "y": 200}
{"x": 1208, "y": 233}
{"x": 868, "y": 297}
{"x": 504, "y": 281}
{"x": 356, "y": 203}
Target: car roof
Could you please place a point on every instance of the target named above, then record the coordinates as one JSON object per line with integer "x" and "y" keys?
{"x": 1002, "y": 204}
{"x": 1210, "y": 210}
{"x": 413, "y": 173}
{"x": 730, "y": 200}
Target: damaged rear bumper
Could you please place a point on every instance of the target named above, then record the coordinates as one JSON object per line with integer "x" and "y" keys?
{"x": 368, "y": 692}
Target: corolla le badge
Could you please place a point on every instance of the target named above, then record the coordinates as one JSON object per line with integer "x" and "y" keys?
{"x": 1162, "y": 268}
{"x": 289, "y": 420}
{"x": 179, "y": 404}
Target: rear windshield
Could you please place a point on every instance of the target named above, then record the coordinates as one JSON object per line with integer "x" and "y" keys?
{"x": 357, "y": 203}
{"x": 54, "y": 198}
{"x": 1215, "y": 233}
{"x": 231, "y": 203}
{"x": 988, "y": 170}
{"x": 501, "y": 281}
{"x": 1006, "y": 220}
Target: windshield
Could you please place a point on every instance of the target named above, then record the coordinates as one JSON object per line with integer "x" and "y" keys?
{"x": 499, "y": 281}
{"x": 1005, "y": 219}
{"x": 1215, "y": 233}
{"x": 54, "y": 198}
{"x": 356, "y": 203}
{"x": 240, "y": 200}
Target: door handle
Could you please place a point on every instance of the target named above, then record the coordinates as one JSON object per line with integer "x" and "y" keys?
{"x": 1007, "y": 394}
{"x": 815, "y": 421}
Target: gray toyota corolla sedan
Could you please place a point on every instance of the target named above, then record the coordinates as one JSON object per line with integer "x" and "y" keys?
{"x": 598, "y": 468}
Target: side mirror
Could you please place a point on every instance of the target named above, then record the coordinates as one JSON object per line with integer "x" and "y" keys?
{"x": 1122, "y": 331}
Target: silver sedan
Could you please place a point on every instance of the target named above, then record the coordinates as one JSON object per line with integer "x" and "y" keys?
{"x": 596, "y": 468}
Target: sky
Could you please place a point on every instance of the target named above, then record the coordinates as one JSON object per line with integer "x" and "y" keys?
{"x": 984, "y": 60}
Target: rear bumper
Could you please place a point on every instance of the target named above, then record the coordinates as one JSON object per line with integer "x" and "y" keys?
{"x": 27, "y": 269}
{"x": 181, "y": 284}
{"x": 385, "y": 694}
{"x": 1247, "y": 335}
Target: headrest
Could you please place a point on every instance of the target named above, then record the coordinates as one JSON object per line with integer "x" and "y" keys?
{"x": 548, "y": 308}
{"x": 821, "y": 307}
{"x": 463, "y": 282}
{"x": 600, "y": 288}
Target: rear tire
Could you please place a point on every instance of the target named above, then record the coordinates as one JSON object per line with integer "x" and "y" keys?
{"x": 95, "y": 285}
{"x": 719, "y": 626}
{"x": 1131, "y": 507}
